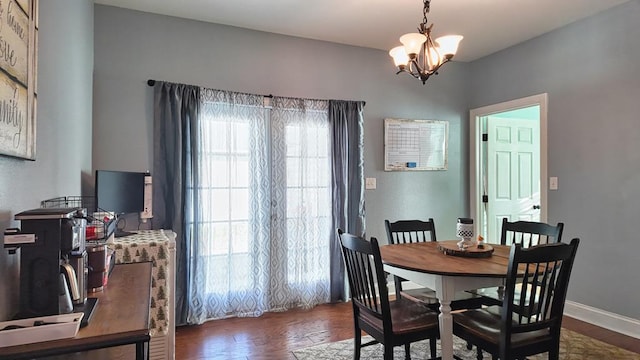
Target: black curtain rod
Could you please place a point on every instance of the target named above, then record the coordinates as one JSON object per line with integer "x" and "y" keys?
{"x": 152, "y": 82}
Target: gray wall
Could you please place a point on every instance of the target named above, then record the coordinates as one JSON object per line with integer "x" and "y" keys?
{"x": 591, "y": 71}
{"x": 63, "y": 155}
{"x": 131, "y": 47}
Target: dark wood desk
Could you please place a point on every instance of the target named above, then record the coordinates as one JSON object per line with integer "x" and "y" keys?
{"x": 121, "y": 317}
{"x": 425, "y": 265}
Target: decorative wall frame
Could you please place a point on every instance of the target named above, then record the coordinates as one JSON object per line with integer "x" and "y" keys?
{"x": 18, "y": 77}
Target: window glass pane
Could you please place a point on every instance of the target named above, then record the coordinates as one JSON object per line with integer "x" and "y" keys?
{"x": 311, "y": 197}
{"x": 219, "y": 209}
{"x": 322, "y": 141}
{"x": 294, "y": 203}
{"x": 316, "y": 172}
{"x": 218, "y": 169}
{"x": 239, "y": 204}
{"x": 240, "y": 171}
{"x": 292, "y": 134}
{"x": 323, "y": 203}
{"x": 241, "y": 136}
{"x": 240, "y": 236}
{"x": 294, "y": 171}
{"x": 219, "y": 239}
{"x": 315, "y": 136}
{"x": 216, "y": 134}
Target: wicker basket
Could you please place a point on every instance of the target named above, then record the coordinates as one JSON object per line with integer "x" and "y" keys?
{"x": 102, "y": 227}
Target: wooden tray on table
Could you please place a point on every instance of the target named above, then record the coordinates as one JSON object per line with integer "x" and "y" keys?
{"x": 450, "y": 247}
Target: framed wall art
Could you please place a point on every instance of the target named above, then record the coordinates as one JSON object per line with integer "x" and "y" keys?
{"x": 18, "y": 77}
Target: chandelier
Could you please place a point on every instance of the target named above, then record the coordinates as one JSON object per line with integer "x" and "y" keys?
{"x": 419, "y": 56}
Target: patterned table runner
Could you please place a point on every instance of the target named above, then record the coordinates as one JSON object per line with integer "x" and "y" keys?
{"x": 150, "y": 245}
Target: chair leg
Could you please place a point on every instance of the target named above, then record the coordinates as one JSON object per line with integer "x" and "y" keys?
{"x": 407, "y": 351}
{"x": 479, "y": 353}
{"x": 554, "y": 353}
{"x": 397, "y": 284}
{"x": 357, "y": 344}
{"x": 432, "y": 347}
{"x": 388, "y": 352}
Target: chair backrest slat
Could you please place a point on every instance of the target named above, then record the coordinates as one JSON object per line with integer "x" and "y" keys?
{"x": 530, "y": 233}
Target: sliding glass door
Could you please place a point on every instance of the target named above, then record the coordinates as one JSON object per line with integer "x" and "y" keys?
{"x": 264, "y": 204}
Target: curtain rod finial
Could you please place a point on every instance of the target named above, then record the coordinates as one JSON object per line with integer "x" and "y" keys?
{"x": 151, "y": 82}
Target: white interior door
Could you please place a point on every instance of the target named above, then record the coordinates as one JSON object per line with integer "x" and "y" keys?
{"x": 508, "y": 171}
{"x": 513, "y": 168}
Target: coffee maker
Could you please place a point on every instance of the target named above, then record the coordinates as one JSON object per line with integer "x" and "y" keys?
{"x": 53, "y": 259}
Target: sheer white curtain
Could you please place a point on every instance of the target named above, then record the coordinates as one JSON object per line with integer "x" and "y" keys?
{"x": 301, "y": 196}
{"x": 230, "y": 253}
{"x": 262, "y": 211}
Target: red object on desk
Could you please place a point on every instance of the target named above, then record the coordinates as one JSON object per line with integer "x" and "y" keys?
{"x": 91, "y": 232}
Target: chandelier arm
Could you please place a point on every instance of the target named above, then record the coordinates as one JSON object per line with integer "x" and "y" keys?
{"x": 417, "y": 76}
{"x": 435, "y": 70}
{"x": 413, "y": 68}
{"x": 423, "y": 59}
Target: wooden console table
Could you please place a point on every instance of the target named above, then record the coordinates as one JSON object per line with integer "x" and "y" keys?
{"x": 121, "y": 317}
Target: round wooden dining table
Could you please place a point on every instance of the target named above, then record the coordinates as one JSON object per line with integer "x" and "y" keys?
{"x": 425, "y": 264}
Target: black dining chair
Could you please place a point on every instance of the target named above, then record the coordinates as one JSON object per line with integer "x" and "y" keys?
{"x": 535, "y": 328}
{"x": 390, "y": 322}
{"x": 412, "y": 231}
{"x": 527, "y": 234}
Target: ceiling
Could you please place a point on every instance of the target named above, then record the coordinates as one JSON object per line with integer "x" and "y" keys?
{"x": 487, "y": 25}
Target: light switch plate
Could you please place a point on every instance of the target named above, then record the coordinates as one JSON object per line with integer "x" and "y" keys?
{"x": 553, "y": 183}
{"x": 370, "y": 183}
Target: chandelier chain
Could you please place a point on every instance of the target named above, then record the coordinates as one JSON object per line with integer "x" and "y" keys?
{"x": 425, "y": 11}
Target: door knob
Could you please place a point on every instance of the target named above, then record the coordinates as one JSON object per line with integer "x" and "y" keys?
{"x": 536, "y": 207}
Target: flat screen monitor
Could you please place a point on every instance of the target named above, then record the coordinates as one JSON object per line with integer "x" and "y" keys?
{"x": 120, "y": 192}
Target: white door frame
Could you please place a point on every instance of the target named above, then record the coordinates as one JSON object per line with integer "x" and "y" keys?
{"x": 475, "y": 153}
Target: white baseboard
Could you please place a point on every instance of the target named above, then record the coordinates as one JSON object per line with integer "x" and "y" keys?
{"x": 614, "y": 322}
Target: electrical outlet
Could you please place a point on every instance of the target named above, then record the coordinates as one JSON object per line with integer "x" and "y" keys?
{"x": 148, "y": 193}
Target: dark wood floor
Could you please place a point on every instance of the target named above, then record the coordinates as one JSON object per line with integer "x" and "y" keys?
{"x": 275, "y": 335}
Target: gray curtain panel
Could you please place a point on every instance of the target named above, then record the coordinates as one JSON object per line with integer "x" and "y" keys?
{"x": 176, "y": 108}
{"x": 347, "y": 174}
